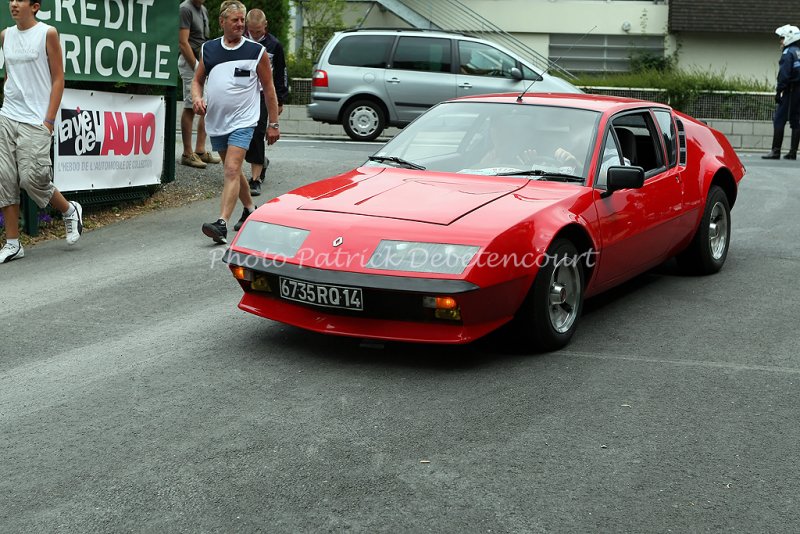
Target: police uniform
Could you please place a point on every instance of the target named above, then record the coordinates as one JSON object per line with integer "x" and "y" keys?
{"x": 787, "y": 96}
{"x": 789, "y": 90}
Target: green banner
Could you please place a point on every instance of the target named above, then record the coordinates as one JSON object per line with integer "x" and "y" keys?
{"x": 131, "y": 41}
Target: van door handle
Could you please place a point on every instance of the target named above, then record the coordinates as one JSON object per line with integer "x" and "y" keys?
{"x": 465, "y": 85}
{"x": 393, "y": 80}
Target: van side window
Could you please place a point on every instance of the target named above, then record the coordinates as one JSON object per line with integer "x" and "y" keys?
{"x": 529, "y": 74}
{"x": 669, "y": 134}
{"x": 479, "y": 59}
{"x": 426, "y": 54}
{"x": 362, "y": 51}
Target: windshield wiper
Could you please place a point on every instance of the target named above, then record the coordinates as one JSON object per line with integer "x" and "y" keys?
{"x": 398, "y": 161}
{"x": 554, "y": 176}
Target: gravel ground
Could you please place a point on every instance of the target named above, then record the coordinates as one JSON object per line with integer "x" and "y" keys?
{"x": 190, "y": 185}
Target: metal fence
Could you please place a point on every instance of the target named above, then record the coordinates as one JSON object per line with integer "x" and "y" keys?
{"x": 720, "y": 105}
{"x": 299, "y": 91}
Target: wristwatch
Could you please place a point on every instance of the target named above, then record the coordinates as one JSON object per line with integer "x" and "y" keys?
{"x": 274, "y": 125}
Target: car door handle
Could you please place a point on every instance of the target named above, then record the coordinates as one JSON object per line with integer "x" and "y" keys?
{"x": 393, "y": 80}
{"x": 465, "y": 85}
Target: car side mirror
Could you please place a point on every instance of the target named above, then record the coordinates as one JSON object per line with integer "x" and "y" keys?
{"x": 516, "y": 73}
{"x": 624, "y": 177}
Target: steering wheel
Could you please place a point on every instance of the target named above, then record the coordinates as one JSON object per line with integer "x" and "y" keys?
{"x": 541, "y": 160}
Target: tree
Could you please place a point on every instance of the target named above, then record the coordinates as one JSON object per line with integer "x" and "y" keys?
{"x": 321, "y": 18}
{"x": 277, "y": 12}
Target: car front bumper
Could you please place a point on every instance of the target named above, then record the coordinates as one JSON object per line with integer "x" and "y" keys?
{"x": 393, "y": 306}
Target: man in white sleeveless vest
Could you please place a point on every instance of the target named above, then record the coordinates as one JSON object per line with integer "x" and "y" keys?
{"x": 32, "y": 97}
{"x": 231, "y": 68}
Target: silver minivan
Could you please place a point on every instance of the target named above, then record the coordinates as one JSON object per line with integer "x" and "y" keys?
{"x": 367, "y": 80}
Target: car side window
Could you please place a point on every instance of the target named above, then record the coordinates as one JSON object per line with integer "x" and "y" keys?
{"x": 639, "y": 141}
{"x": 610, "y": 156}
{"x": 362, "y": 51}
{"x": 669, "y": 134}
{"x": 479, "y": 59}
{"x": 426, "y": 54}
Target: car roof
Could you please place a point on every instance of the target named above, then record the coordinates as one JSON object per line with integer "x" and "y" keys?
{"x": 601, "y": 103}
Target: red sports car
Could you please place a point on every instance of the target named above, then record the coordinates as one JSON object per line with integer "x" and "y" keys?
{"x": 492, "y": 209}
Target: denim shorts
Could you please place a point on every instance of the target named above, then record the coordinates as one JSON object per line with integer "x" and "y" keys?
{"x": 240, "y": 138}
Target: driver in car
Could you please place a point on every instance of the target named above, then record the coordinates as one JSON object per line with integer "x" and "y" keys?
{"x": 511, "y": 145}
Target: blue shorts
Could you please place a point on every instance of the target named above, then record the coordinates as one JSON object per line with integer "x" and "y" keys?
{"x": 240, "y": 138}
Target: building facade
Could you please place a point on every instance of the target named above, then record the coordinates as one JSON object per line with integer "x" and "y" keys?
{"x": 730, "y": 37}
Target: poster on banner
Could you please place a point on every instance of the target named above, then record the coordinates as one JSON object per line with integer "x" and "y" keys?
{"x": 108, "y": 140}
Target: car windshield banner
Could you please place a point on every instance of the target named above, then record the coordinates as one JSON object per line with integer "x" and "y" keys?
{"x": 128, "y": 41}
{"x": 108, "y": 140}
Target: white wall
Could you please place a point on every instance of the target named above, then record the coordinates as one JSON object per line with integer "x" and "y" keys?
{"x": 536, "y": 19}
{"x": 371, "y": 16}
{"x": 573, "y": 16}
{"x": 747, "y": 56}
{"x": 532, "y": 21}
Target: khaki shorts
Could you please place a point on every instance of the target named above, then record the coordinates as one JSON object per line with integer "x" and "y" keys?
{"x": 187, "y": 74}
{"x": 25, "y": 162}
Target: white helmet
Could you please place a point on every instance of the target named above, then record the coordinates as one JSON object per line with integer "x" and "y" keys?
{"x": 781, "y": 32}
{"x": 791, "y": 35}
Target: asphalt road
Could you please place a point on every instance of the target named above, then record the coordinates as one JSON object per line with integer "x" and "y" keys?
{"x": 135, "y": 396}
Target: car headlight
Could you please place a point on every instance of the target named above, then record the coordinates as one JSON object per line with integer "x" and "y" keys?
{"x": 271, "y": 239}
{"x": 440, "y": 258}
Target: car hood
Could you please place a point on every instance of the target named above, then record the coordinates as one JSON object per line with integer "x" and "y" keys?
{"x": 436, "y": 198}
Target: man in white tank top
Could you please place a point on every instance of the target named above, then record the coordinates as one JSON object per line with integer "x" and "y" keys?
{"x": 32, "y": 97}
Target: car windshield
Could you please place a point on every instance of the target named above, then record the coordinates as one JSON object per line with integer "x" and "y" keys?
{"x": 496, "y": 139}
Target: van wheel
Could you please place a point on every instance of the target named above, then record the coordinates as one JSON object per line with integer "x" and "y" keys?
{"x": 363, "y": 120}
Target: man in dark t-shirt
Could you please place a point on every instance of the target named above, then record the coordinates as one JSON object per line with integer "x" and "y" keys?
{"x": 257, "y": 31}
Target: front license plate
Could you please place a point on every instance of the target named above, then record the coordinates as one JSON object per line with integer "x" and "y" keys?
{"x": 348, "y": 298}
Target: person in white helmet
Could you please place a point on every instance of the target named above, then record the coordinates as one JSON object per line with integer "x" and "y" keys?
{"x": 787, "y": 95}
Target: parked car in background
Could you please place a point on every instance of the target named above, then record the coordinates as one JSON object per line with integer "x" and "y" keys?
{"x": 367, "y": 80}
{"x": 493, "y": 209}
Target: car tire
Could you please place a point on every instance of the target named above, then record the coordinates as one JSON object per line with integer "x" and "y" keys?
{"x": 549, "y": 314}
{"x": 363, "y": 120}
{"x": 709, "y": 247}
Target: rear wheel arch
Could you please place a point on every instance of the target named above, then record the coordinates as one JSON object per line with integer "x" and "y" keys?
{"x": 708, "y": 249}
{"x": 723, "y": 178}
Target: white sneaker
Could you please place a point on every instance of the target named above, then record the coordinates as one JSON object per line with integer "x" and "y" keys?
{"x": 10, "y": 252}
{"x": 74, "y": 224}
